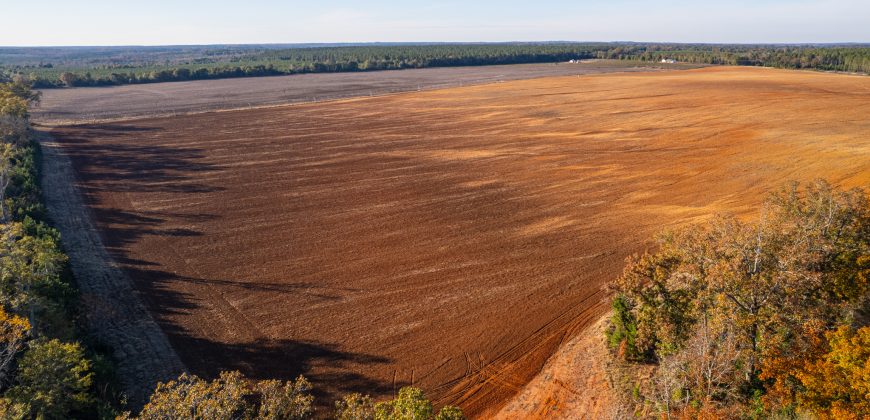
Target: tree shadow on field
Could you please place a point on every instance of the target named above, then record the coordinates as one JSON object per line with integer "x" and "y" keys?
{"x": 121, "y": 158}
{"x": 116, "y": 163}
{"x": 121, "y": 228}
{"x": 111, "y": 160}
{"x": 333, "y": 372}
{"x": 157, "y": 285}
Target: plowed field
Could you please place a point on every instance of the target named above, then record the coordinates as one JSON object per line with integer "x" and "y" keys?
{"x": 90, "y": 104}
{"x": 451, "y": 239}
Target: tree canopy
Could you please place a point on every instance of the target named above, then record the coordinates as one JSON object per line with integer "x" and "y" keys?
{"x": 760, "y": 316}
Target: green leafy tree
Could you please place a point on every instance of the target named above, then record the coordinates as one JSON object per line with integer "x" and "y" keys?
{"x": 190, "y": 397}
{"x": 53, "y": 379}
{"x": 450, "y": 413}
{"x": 410, "y": 404}
{"x": 31, "y": 268}
{"x": 43, "y": 378}
{"x": 15, "y": 99}
{"x": 622, "y": 334}
{"x": 11, "y": 410}
{"x": 285, "y": 400}
{"x": 231, "y": 396}
{"x": 11, "y": 104}
{"x": 355, "y": 407}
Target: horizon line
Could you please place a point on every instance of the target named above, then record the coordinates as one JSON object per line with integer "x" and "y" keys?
{"x": 365, "y": 43}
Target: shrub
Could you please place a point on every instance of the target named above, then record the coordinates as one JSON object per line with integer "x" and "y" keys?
{"x": 450, "y": 413}
{"x": 410, "y": 404}
{"x": 622, "y": 334}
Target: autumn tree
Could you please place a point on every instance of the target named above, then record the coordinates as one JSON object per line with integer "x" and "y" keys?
{"x": 29, "y": 266}
{"x": 714, "y": 301}
{"x": 230, "y": 396}
{"x": 53, "y": 379}
{"x": 830, "y": 377}
{"x": 355, "y": 407}
{"x": 410, "y": 404}
{"x": 192, "y": 397}
{"x": 285, "y": 400}
{"x": 13, "y": 333}
{"x": 68, "y": 79}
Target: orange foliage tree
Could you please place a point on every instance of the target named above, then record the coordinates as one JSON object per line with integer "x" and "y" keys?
{"x": 716, "y": 303}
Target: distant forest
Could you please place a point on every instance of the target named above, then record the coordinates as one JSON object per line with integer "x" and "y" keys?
{"x": 48, "y": 67}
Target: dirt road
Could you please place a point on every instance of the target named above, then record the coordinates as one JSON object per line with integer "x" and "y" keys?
{"x": 115, "y": 312}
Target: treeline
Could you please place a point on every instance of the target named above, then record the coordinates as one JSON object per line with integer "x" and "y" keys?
{"x": 303, "y": 60}
{"x": 99, "y": 68}
{"x": 832, "y": 58}
{"x": 47, "y": 369}
{"x": 769, "y": 319}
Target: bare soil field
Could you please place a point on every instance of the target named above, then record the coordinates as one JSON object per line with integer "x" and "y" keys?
{"x": 450, "y": 239}
{"x": 116, "y": 102}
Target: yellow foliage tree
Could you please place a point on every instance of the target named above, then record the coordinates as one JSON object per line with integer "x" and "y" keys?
{"x": 191, "y": 397}
{"x": 285, "y": 400}
{"x": 27, "y": 263}
{"x": 229, "y": 397}
{"x": 410, "y": 404}
{"x": 10, "y": 103}
{"x": 13, "y": 333}
{"x": 831, "y": 379}
{"x": 53, "y": 379}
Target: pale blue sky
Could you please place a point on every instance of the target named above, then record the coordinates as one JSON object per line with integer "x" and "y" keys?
{"x": 158, "y": 22}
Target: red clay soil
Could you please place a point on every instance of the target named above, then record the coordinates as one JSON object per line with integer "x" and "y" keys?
{"x": 572, "y": 385}
{"x": 449, "y": 239}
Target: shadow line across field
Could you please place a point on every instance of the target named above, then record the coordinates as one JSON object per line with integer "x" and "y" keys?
{"x": 127, "y": 167}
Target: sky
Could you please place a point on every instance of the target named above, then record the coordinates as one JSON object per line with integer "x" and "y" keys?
{"x": 165, "y": 22}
